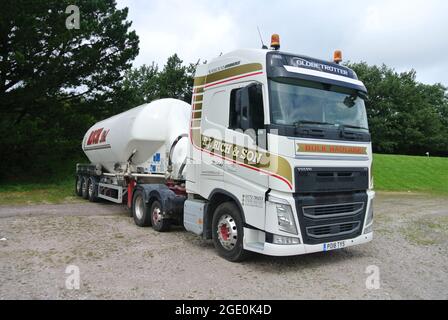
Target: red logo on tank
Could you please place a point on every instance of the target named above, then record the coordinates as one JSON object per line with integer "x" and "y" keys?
{"x": 97, "y": 136}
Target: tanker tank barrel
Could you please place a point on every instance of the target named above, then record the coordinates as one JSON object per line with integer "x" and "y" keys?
{"x": 127, "y": 142}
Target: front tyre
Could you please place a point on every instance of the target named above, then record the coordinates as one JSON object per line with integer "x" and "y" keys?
{"x": 140, "y": 212}
{"x": 228, "y": 232}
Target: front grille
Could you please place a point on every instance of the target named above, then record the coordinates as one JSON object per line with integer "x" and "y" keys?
{"x": 333, "y": 230}
{"x": 333, "y": 210}
{"x": 327, "y": 217}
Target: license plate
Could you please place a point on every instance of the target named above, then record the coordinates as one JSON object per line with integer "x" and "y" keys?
{"x": 333, "y": 245}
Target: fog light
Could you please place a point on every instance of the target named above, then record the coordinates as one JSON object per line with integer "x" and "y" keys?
{"x": 285, "y": 240}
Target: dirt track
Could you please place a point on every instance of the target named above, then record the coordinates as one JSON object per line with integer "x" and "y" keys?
{"x": 119, "y": 260}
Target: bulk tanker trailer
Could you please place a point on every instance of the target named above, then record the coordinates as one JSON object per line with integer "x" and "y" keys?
{"x": 272, "y": 156}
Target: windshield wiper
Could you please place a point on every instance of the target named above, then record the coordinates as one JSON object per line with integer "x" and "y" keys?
{"x": 299, "y": 123}
{"x": 343, "y": 126}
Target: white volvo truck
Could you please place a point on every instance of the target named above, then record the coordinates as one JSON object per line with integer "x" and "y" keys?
{"x": 272, "y": 156}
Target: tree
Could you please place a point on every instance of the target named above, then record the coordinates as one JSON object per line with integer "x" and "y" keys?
{"x": 143, "y": 83}
{"x": 46, "y": 68}
{"x": 405, "y": 116}
{"x": 176, "y": 80}
{"x": 147, "y": 83}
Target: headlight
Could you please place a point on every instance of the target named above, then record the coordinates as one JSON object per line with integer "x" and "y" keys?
{"x": 285, "y": 216}
{"x": 369, "y": 219}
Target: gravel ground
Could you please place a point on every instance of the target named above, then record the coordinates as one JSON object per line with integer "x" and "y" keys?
{"x": 118, "y": 260}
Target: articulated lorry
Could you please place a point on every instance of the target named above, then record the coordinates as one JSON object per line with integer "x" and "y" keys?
{"x": 272, "y": 156}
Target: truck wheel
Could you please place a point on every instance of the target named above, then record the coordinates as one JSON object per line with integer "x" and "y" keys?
{"x": 78, "y": 186}
{"x": 84, "y": 188}
{"x": 228, "y": 232}
{"x": 92, "y": 190}
{"x": 140, "y": 211}
{"x": 158, "y": 222}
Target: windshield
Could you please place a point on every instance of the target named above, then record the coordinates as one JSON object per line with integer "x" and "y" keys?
{"x": 297, "y": 102}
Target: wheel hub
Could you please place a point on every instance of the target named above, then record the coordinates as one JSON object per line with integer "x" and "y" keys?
{"x": 156, "y": 215}
{"x": 227, "y": 232}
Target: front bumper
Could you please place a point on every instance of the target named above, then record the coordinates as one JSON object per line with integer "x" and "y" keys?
{"x": 295, "y": 250}
{"x": 255, "y": 240}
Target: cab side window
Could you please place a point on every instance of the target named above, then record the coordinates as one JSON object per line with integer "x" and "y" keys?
{"x": 246, "y": 108}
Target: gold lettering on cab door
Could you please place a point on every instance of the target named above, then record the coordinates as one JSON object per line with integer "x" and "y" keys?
{"x": 235, "y": 152}
{"x": 258, "y": 160}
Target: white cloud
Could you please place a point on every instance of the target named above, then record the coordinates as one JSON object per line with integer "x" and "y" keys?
{"x": 402, "y": 34}
{"x": 193, "y": 30}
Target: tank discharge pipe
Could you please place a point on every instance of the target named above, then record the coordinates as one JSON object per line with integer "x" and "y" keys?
{"x": 170, "y": 157}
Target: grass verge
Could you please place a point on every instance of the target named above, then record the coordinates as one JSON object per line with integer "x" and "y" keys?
{"x": 408, "y": 173}
{"x": 38, "y": 193}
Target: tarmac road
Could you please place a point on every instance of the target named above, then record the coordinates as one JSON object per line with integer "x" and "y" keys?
{"x": 118, "y": 260}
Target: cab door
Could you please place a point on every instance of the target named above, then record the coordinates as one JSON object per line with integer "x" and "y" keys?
{"x": 243, "y": 170}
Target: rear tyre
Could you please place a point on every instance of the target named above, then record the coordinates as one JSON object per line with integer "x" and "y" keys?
{"x": 139, "y": 209}
{"x": 228, "y": 232}
{"x": 84, "y": 188}
{"x": 78, "y": 185}
{"x": 158, "y": 222}
{"x": 92, "y": 190}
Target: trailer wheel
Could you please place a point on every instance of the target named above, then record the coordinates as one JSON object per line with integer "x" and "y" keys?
{"x": 84, "y": 188}
{"x": 140, "y": 211}
{"x": 92, "y": 190}
{"x": 78, "y": 185}
{"x": 158, "y": 222}
{"x": 228, "y": 232}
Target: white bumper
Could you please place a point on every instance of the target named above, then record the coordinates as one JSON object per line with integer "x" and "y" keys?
{"x": 255, "y": 239}
{"x": 295, "y": 250}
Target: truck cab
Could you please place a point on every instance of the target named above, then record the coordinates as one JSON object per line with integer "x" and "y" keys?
{"x": 280, "y": 156}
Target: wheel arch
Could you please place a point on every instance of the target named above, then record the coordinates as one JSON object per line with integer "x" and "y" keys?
{"x": 217, "y": 197}
{"x": 150, "y": 192}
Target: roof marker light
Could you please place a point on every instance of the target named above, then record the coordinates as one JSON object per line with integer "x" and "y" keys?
{"x": 337, "y": 56}
{"x": 275, "y": 41}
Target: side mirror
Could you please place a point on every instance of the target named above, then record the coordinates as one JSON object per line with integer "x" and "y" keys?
{"x": 245, "y": 114}
{"x": 249, "y": 114}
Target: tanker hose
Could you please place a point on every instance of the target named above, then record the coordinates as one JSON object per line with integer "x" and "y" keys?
{"x": 182, "y": 167}
{"x": 170, "y": 160}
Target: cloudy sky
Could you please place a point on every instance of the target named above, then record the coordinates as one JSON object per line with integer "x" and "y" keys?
{"x": 403, "y": 34}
